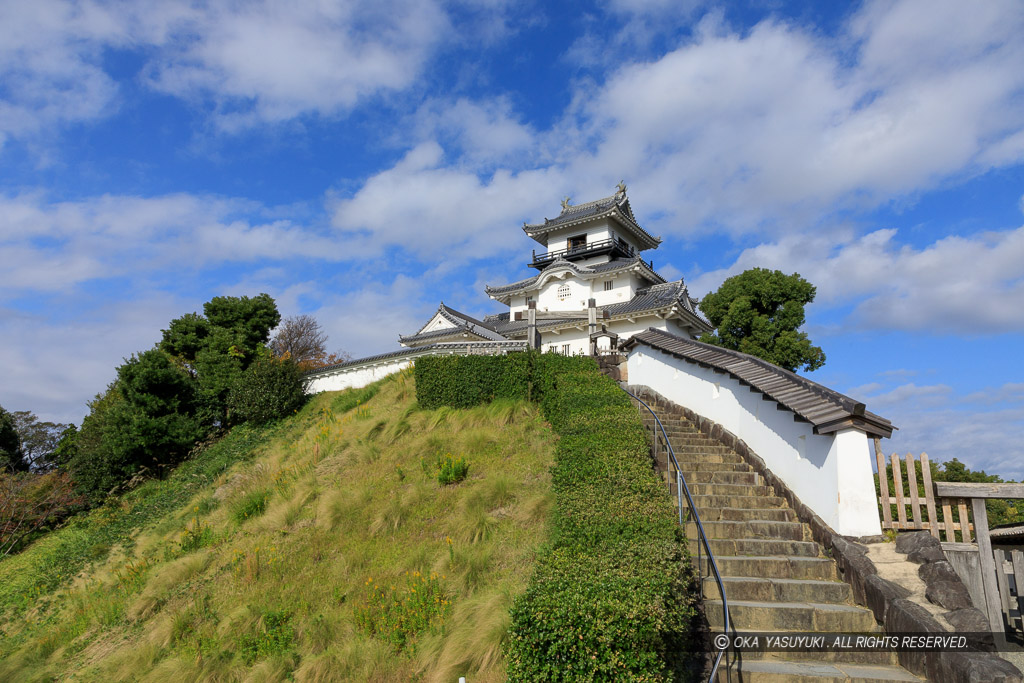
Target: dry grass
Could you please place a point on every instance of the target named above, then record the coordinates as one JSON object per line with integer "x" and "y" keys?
{"x": 346, "y": 500}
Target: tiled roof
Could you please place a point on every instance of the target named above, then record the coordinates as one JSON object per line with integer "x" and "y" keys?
{"x": 660, "y": 296}
{"x": 618, "y": 204}
{"x": 827, "y": 410}
{"x": 462, "y": 324}
{"x": 613, "y": 266}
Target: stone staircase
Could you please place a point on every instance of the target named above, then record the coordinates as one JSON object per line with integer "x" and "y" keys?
{"x": 776, "y": 577}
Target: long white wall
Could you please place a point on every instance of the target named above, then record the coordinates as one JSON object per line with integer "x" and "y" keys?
{"x": 356, "y": 377}
{"x": 359, "y": 373}
{"x": 830, "y": 473}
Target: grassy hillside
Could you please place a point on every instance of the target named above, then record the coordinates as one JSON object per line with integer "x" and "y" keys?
{"x": 323, "y": 548}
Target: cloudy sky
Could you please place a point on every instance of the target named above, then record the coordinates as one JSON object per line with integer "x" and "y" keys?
{"x": 361, "y": 161}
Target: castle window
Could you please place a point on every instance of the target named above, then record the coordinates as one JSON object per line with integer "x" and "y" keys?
{"x": 563, "y": 292}
{"x": 565, "y": 350}
{"x": 608, "y": 284}
{"x": 577, "y": 242}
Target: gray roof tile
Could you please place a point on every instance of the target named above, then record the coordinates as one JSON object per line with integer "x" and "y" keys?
{"x": 826, "y": 409}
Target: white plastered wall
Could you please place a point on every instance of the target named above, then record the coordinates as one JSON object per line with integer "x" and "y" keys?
{"x": 356, "y": 377}
{"x": 830, "y": 473}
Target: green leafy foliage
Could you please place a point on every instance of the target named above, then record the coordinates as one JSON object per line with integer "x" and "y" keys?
{"x": 273, "y": 635}
{"x": 398, "y": 614}
{"x": 613, "y": 596}
{"x": 218, "y": 346}
{"x": 451, "y": 470}
{"x": 252, "y": 504}
{"x": 759, "y": 312}
{"x": 39, "y": 439}
{"x": 144, "y": 426}
{"x": 267, "y": 390}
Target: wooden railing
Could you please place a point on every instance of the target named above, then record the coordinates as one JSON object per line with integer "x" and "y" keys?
{"x": 579, "y": 250}
{"x": 924, "y": 512}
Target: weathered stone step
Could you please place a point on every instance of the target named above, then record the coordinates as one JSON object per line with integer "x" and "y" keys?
{"x": 715, "y": 467}
{"x": 730, "y": 490}
{"x": 701, "y": 450}
{"x": 745, "y": 514}
{"x": 774, "y": 567}
{"x": 758, "y": 547}
{"x": 685, "y": 459}
{"x": 749, "y": 478}
{"x": 755, "y": 528}
{"x": 753, "y": 615}
{"x": 709, "y": 501}
{"x": 781, "y": 590}
{"x": 689, "y": 439}
{"x": 837, "y": 656}
{"x": 777, "y": 671}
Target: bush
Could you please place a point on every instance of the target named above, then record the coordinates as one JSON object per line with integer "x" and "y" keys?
{"x": 252, "y": 504}
{"x": 399, "y": 614}
{"x": 613, "y": 596}
{"x": 269, "y": 389}
{"x": 31, "y": 503}
{"x": 451, "y": 471}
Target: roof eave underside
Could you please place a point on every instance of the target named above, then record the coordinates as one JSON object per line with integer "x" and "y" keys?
{"x": 827, "y": 410}
{"x": 506, "y": 292}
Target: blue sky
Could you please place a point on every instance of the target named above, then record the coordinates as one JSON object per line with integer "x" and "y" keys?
{"x": 362, "y": 161}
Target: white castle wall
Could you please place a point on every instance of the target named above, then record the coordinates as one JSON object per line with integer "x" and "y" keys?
{"x": 830, "y": 473}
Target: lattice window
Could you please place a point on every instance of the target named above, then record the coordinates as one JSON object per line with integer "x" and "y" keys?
{"x": 608, "y": 284}
{"x": 563, "y": 292}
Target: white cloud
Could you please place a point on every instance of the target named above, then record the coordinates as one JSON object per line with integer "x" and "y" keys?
{"x": 960, "y": 285}
{"x": 432, "y": 210}
{"x": 54, "y": 246}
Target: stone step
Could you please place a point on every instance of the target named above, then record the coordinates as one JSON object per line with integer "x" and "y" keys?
{"x": 755, "y": 528}
{"x": 774, "y": 566}
{"x": 685, "y": 459}
{"x": 781, "y": 590}
{"x": 688, "y": 439}
{"x": 750, "y": 478}
{"x": 745, "y": 514}
{"x": 778, "y": 671}
{"x": 715, "y": 467}
{"x": 730, "y": 490}
{"x": 836, "y": 656}
{"x": 700, "y": 450}
{"x": 758, "y": 547}
{"x": 754, "y": 615}
{"x": 709, "y": 501}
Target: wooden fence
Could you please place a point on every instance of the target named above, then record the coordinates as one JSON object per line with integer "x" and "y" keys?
{"x": 954, "y": 520}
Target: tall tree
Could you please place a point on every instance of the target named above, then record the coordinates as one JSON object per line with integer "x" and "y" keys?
{"x": 218, "y": 346}
{"x": 144, "y": 422}
{"x": 39, "y": 439}
{"x": 11, "y": 456}
{"x": 302, "y": 339}
{"x": 759, "y": 312}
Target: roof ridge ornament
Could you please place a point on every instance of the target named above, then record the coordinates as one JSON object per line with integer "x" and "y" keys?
{"x": 621, "y": 187}
{"x": 565, "y": 203}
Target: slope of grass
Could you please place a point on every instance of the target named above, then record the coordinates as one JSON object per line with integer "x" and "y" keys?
{"x": 323, "y": 548}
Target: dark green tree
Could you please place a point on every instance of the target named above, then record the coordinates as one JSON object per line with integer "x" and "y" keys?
{"x": 270, "y": 388}
{"x": 759, "y": 312}
{"x": 145, "y": 422}
{"x": 11, "y": 456}
{"x": 218, "y": 346}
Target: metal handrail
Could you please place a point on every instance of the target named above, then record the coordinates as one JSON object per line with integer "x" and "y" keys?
{"x": 683, "y": 489}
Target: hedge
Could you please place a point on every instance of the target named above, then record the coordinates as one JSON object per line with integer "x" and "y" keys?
{"x": 613, "y": 595}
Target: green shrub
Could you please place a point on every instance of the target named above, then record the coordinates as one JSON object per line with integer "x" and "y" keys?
{"x": 267, "y": 390}
{"x": 398, "y": 614}
{"x": 451, "y": 471}
{"x": 613, "y": 596}
{"x": 273, "y": 635}
{"x": 252, "y": 504}
{"x": 195, "y": 536}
